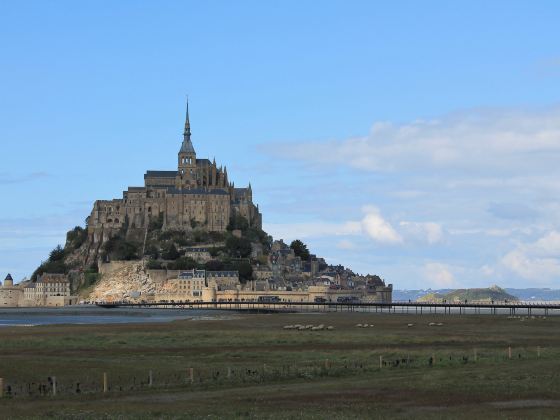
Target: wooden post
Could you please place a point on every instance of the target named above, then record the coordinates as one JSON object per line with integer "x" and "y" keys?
{"x": 380, "y": 362}
{"x": 326, "y": 363}
{"x": 150, "y": 379}
{"x": 54, "y": 386}
{"x": 105, "y": 387}
{"x": 475, "y": 356}
{"x": 191, "y": 375}
{"x": 1, "y": 387}
{"x": 538, "y": 351}
{"x": 229, "y": 372}
{"x": 509, "y": 352}
{"x": 433, "y": 359}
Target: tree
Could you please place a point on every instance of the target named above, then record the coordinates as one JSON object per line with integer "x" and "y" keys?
{"x": 183, "y": 263}
{"x": 245, "y": 271}
{"x": 171, "y": 253}
{"x": 300, "y": 249}
{"x": 214, "y": 265}
{"x": 56, "y": 254}
{"x": 238, "y": 247}
{"x": 238, "y": 222}
{"x": 118, "y": 248}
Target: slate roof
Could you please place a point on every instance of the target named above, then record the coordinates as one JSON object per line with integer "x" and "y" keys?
{"x": 187, "y": 147}
{"x": 9, "y": 277}
{"x": 173, "y": 190}
{"x": 222, "y": 273}
{"x": 160, "y": 174}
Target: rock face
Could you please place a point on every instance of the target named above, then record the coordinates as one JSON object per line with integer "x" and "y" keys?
{"x": 125, "y": 280}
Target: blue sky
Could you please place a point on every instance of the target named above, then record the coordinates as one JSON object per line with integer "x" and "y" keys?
{"x": 415, "y": 140}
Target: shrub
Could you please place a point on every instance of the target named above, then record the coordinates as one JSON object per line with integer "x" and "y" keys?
{"x": 183, "y": 263}
{"x": 238, "y": 247}
{"x": 76, "y": 237}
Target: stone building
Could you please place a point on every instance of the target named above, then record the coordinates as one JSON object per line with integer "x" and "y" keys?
{"x": 48, "y": 290}
{"x": 197, "y": 194}
{"x": 10, "y": 295}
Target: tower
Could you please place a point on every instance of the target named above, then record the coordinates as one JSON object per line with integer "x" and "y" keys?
{"x": 186, "y": 175}
{"x": 8, "y": 281}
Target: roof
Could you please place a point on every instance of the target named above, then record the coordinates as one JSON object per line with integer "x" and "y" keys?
{"x": 222, "y": 273}
{"x": 160, "y": 174}
{"x": 9, "y": 277}
{"x": 173, "y": 190}
{"x": 187, "y": 147}
{"x": 192, "y": 274}
{"x": 206, "y": 161}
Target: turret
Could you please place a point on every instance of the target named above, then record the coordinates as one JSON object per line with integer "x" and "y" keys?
{"x": 8, "y": 281}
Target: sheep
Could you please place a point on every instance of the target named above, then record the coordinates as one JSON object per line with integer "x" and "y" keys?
{"x": 410, "y": 325}
{"x": 288, "y": 327}
{"x": 432, "y": 324}
{"x": 330, "y": 328}
{"x": 366, "y": 325}
{"x": 359, "y": 325}
{"x": 371, "y": 325}
{"x": 439, "y": 324}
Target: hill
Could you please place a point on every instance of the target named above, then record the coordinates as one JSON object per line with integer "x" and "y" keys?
{"x": 493, "y": 293}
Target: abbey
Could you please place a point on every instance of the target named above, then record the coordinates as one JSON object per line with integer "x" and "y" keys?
{"x": 198, "y": 194}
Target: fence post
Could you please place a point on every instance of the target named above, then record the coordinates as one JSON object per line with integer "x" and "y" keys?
{"x": 509, "y": 352}
{"x": 475, "y": 355}
{"x": 326, "y": 363}
{"x": 1, "y": 387}
{"x": 229, "y": 372}
{"x": 538, "y": 351}
{"x": 105, "y": 387}
{"x": 54, "y": 386}
{"x": 380, "y": 362}
{"x": 191, "y": 375}
{"x": 150, "y": 379}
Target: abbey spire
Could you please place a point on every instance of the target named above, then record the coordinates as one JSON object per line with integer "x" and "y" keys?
{"x": 187, "y": 132}
{"x": 187, "y": 146}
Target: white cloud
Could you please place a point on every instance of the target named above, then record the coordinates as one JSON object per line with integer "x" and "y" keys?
{"x": 430, "y": 232}
{"x": 497, "y": 141}
{"x": 538, "y": 261}
{"x": 378, "y": 228}
{"x": 439, "y": 276}
{"x": 372, "y": 225}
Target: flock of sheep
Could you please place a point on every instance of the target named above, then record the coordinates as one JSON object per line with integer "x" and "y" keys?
{"x": 310, "y": 327}
{"x": 524, "y": 318}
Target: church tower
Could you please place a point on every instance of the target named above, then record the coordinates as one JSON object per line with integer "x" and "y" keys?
{"x": 186, "y": 176}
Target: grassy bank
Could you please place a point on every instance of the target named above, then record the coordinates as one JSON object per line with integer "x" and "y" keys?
{"x": 251, "y": 367}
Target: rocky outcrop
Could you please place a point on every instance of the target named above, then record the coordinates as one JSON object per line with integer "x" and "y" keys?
{"x": 126, "y": 280}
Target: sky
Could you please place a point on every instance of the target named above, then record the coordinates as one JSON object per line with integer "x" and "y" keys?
{"x": 418, "y": 141}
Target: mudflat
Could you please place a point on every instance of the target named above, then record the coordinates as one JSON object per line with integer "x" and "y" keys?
{"x": 250, "y": 366}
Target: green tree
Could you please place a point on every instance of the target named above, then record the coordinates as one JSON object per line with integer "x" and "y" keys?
{"x": 214, "y": 265}
{"x": 183, "y": 263}
{"x": 56, "y": 254}
{"x": 238, "y": 247}
{"x": 238, "y": 222}
{"x": 171, "y": 253}
{"x": 245, "y": 271}
{"x": 300, "y": 249}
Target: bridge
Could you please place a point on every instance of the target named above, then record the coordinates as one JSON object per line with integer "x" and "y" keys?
{"x": 418, "y": 308}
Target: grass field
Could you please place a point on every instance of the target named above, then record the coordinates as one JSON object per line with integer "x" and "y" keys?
{"x": 250, "y": 367}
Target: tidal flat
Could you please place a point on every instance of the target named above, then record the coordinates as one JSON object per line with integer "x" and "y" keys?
{"x": 249, "y": 366}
